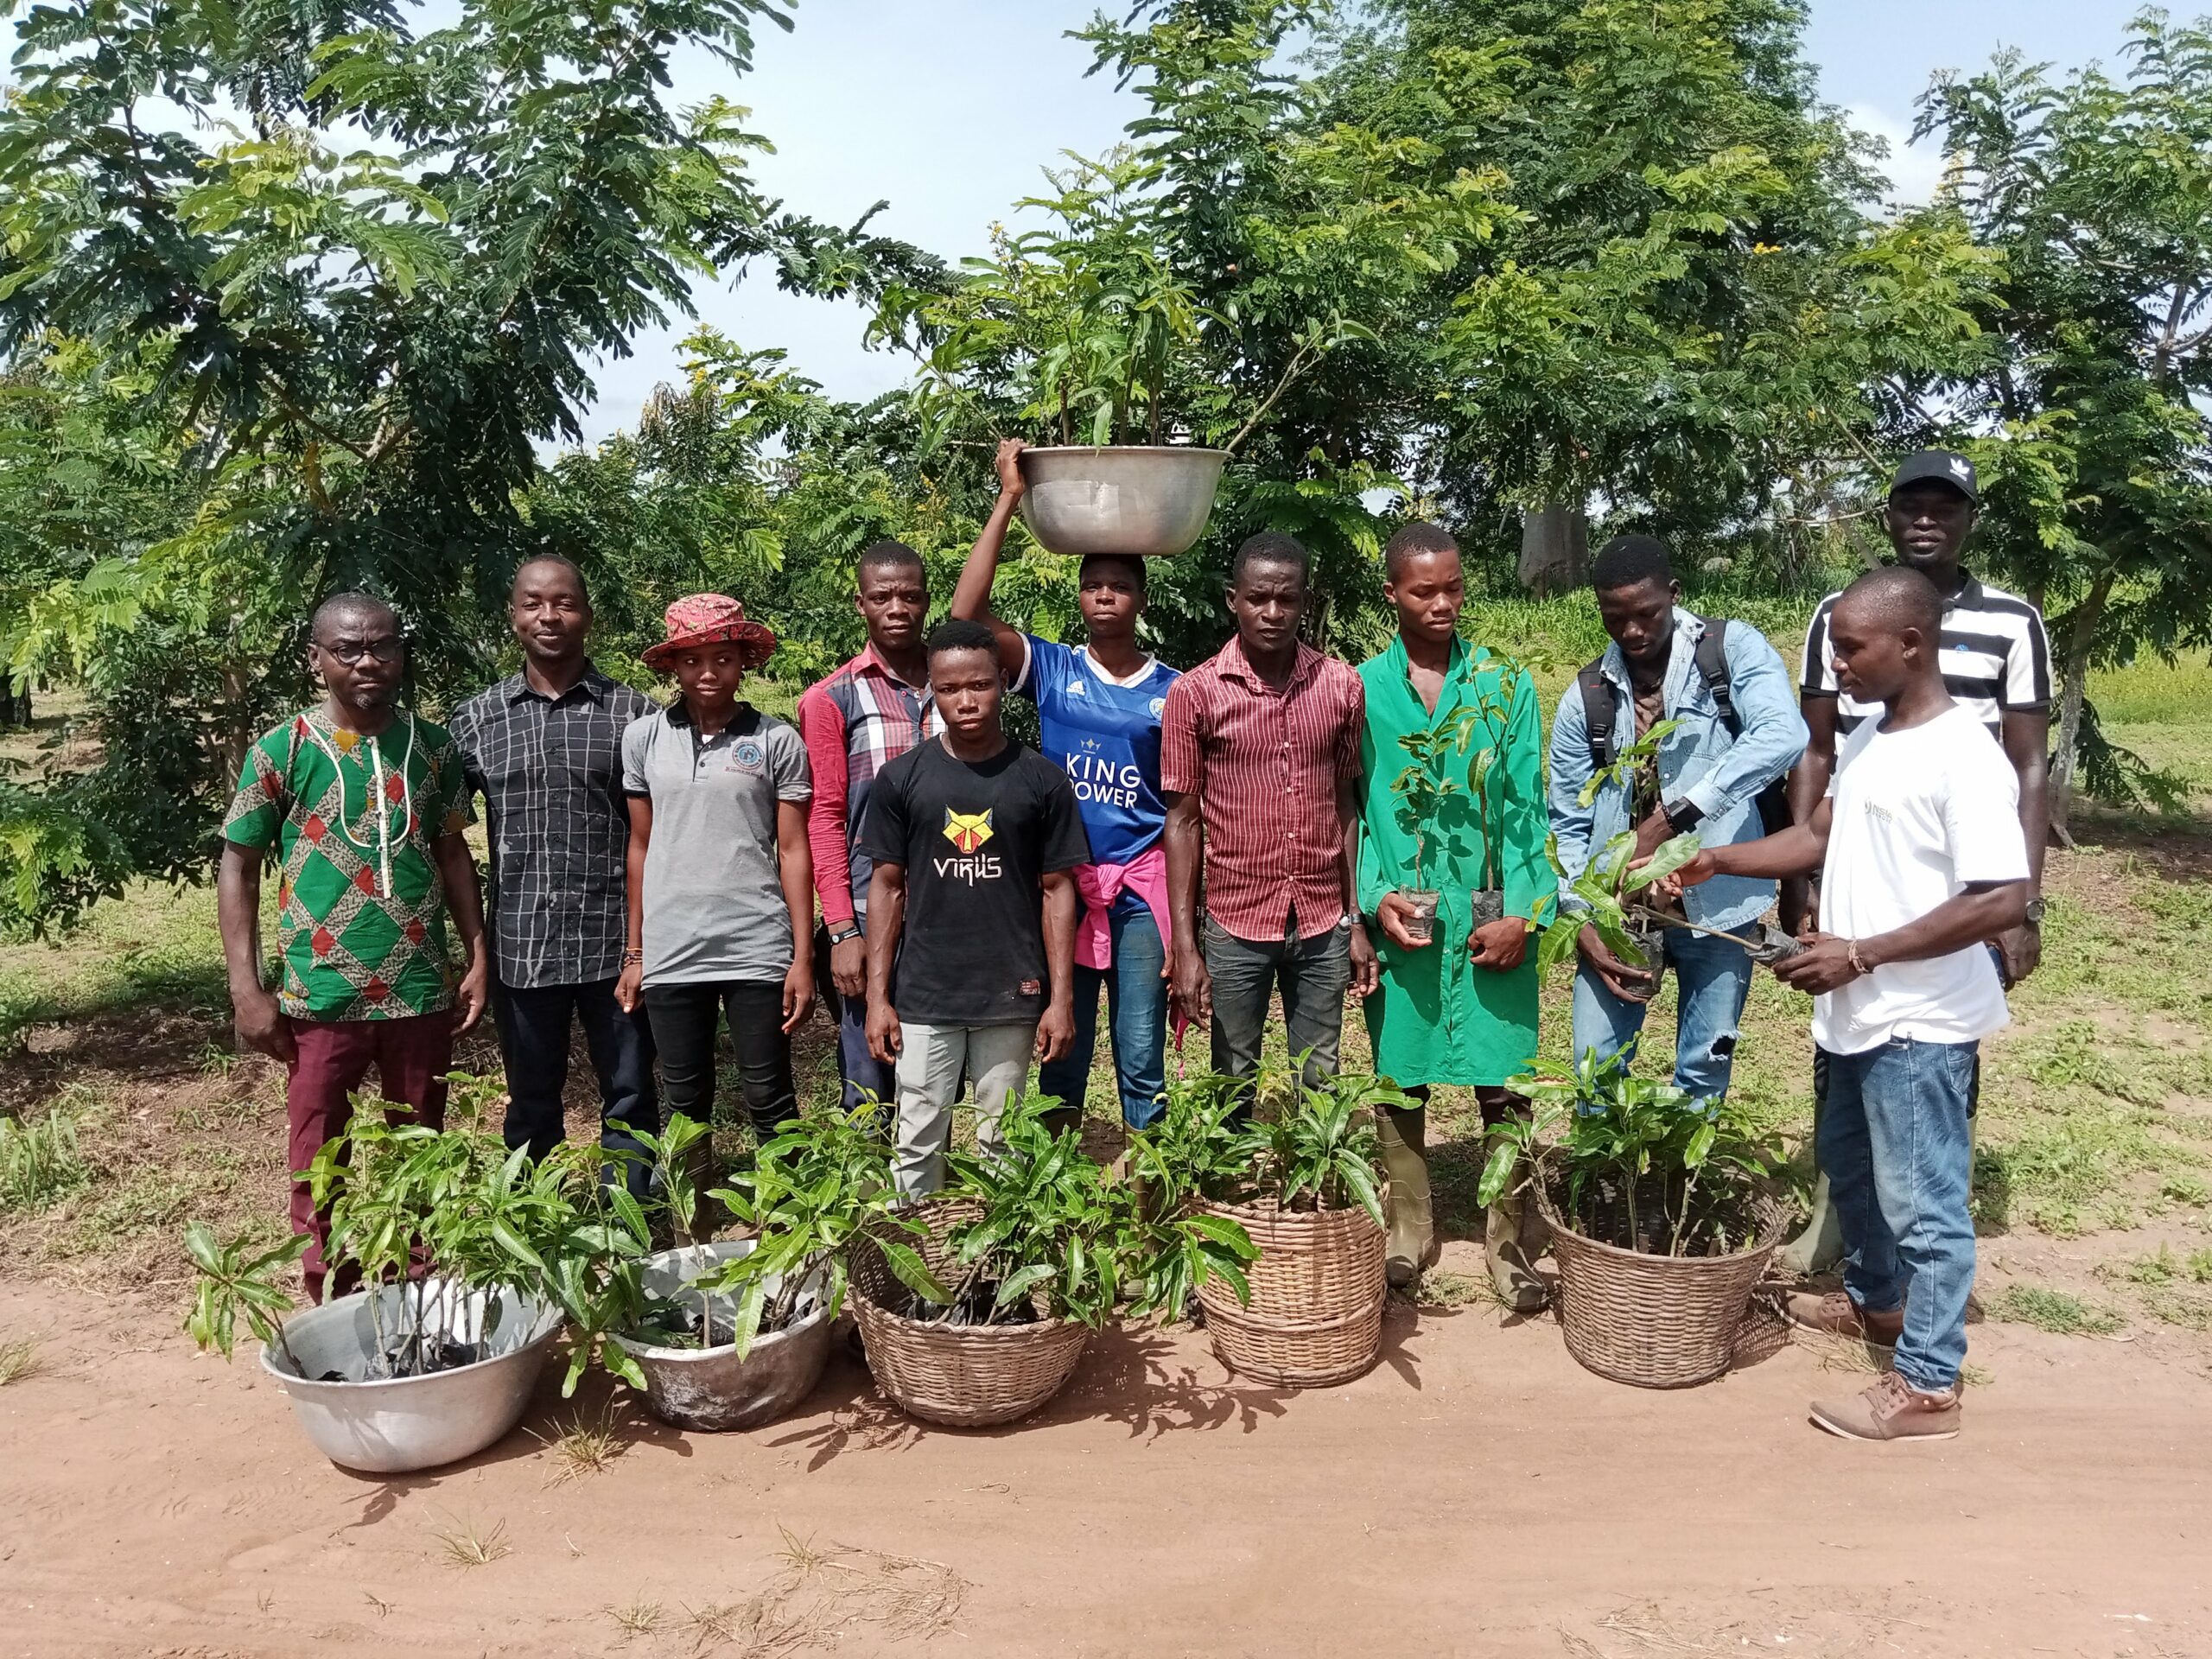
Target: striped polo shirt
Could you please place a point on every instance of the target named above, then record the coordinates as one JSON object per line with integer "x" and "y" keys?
{"x": 1996, "y": 660}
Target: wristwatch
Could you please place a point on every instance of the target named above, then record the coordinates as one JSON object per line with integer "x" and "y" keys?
{"x": 1682, "y": 816}
{"x": 2034, "y": 910}
{"x": 839, "y": 935}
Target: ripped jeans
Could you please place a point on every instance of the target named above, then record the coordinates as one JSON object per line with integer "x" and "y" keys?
{"x": 1712, "y": 978}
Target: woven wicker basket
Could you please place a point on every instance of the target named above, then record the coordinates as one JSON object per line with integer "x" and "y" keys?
{"x": 1316, "y": 1313}
{"x": 961, "y": 1377}
{"x": 1656, "y": 1321}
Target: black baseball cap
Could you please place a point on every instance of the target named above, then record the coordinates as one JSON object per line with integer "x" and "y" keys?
{"x": 1945, "y": 466}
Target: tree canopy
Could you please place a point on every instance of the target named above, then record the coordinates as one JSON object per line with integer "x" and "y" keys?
{"x": 306, "y": 297}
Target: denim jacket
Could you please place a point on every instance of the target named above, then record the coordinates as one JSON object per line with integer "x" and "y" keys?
{"x": 1699, "y": 762}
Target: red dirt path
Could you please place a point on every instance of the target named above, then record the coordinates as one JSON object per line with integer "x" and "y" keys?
{"x": 1479, "y": 1494}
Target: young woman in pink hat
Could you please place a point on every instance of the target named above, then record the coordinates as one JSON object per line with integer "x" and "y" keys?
{"x": 720, "y": 881}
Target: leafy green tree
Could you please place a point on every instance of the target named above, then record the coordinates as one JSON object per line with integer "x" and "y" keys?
{"x": 1691, "y": 314}
{"x": 370, "y": 272}
{"x": 2091, "y": 419}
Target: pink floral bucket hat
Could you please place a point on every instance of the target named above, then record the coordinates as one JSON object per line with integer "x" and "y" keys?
{"x": 711, "y": 619}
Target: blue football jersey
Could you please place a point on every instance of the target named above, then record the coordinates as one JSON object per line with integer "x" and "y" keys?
{"x": 1107, "y": 738}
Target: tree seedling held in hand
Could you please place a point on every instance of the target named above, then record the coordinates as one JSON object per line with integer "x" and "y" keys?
{"x": 1428, "y": 793}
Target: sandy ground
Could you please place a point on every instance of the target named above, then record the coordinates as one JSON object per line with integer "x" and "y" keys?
{"x": 1478, "y": 1493}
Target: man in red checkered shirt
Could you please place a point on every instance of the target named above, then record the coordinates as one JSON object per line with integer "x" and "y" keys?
{"x": 1260, "y": 767}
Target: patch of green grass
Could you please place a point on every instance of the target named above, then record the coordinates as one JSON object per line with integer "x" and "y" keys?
{"x": 2186, "y": 1189}
{"x": 2058, "y": 1311}
{"x": 2149, "y": 692}
{"x": 39, "y": 1162}
{"x": 2160, "y": 1268}
{"x": 2049, "y": 1167}
{"x": 2173, "y": 1306}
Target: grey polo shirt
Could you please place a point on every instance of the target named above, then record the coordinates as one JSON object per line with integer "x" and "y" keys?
{"x": 714, "y": 898}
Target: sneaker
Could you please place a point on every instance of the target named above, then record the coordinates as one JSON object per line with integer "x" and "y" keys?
{"x": 1890, "y": 1410}
{"x": 1839, "y": 1316}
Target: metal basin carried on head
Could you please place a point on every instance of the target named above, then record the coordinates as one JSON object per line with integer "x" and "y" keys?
{"x": 712, "y": 1388}
{"x": 388, "y": 1426}
{"x": 1134, "y": 499}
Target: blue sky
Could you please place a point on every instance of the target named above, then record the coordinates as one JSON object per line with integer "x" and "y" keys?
{"x": 948, "y": 108}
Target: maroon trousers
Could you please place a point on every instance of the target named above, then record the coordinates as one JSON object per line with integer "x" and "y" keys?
{"x": 411, "y": 1057}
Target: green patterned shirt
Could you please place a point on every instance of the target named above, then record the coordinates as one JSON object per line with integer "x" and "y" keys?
{"x": 361, "y": 908}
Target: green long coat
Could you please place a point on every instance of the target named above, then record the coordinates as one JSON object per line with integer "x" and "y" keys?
{"x": 1437, "y": 1018}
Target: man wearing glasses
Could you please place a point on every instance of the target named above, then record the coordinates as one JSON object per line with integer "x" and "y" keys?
{"x": 363, "y": 805}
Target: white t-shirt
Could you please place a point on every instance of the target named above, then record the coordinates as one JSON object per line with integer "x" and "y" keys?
{"x": 1918, "y": 814}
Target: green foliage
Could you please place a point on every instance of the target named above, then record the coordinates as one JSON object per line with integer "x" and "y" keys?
{"x": 1602, "y": 891}
{"x": 236, "y": 1278}
{"x": 40, "y": 1163}
{"x": 1051, "y": 1226}
{"x": 1497, "y": 682}
{"x": 1636, "y": 1162}
{"x": 1276, "y": 1137}
{"x": 310, "y": 336}
{"x": 823, "y": 1182}
{"x": 2089, "y": 416}
{"x": 2060, "y": 1312}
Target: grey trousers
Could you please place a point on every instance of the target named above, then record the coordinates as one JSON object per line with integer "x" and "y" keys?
{"x": 927, "y": 1079}
{"x": 1312, "y": 974}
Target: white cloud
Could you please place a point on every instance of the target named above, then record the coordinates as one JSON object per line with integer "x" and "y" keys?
{"x": 1914, "y": 170}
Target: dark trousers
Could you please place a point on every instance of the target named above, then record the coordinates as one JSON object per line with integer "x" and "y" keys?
{"x": 684, "y": 1019}
{"x": 1312, "y": 975}
{"x": 411, "y": 1057}
{"x": 534, "y": 1026}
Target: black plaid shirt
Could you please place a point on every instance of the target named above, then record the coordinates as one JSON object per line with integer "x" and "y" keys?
{"x": 551, "y": 773}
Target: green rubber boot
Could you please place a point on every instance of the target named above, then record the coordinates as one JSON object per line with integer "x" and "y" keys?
{"x": 1506, "y": 1227}
{"x": 1412, "y": 1249}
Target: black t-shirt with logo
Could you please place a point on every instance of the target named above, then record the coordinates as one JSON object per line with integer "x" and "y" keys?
{"x": 977, "y": 841}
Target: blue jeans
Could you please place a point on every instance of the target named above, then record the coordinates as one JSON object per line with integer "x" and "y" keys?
{"x": 1713, "y": 977}
{"x": 1136, "y": 1009}
{"x": 1894, "y": 1141}
{"x": 533, "y": 1025}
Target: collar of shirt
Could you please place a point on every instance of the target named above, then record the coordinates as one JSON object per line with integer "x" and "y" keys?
{"x": 1235, "y": 666}
{"x": 1456, "y": 671}
{"x": 1142, "y": 673}
{"x": 1681, "y": 659}
{"x": 516, "y": 687}
{"x": 1967, "y": 598}
{"x": 869, "y": 662}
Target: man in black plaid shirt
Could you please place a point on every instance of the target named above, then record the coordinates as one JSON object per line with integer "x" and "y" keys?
{"x": 545, "y": 748}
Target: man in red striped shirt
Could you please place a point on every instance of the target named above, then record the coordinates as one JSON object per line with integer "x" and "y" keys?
{"x": 856, "y": 722}
{"x": 1260, "y": 767}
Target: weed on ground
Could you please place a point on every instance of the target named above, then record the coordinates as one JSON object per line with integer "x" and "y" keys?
{"x": 2060, "y": 1312}
{"x": 18, "y": 1359}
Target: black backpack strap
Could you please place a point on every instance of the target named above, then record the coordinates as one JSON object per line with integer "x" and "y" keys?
{"x": 1713, "y": 665}
{"x": 1598, "y": 712}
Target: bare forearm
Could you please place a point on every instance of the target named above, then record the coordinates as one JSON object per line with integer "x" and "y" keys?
{"x": 887, "y": 919}
{"x": 1797, "y": 850}
{"x": 238, "y": 916}
{"x": 2035, "y": 815}
{"x": 1183, "y": 838}
{"x": 1059, "y": 937}
{"x": 633, "y": 896}
{"x": 1967, "y": 919}
{"x": 464, "y": 899}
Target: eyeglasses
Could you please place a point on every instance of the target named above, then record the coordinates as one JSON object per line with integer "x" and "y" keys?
{"x": 350, "y": 652}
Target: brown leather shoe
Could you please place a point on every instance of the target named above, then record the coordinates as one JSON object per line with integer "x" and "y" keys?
{"x": 1839, "y": 1316}
{"x": 1890, "y": 1410}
